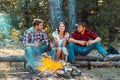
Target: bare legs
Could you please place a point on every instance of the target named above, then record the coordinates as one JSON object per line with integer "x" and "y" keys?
{"x": 59, "y": 55}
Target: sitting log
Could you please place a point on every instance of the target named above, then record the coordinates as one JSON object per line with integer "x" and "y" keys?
{"x": 98, "y": 63}
{"x": 93, "y": 60}
{"x": 77, "y": 58}
{"x": 96, "y": 57}
{"x": 12, "y": 59}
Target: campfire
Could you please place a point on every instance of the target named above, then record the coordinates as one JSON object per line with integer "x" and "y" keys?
{"x": 49, "y": 64}
{"x": 59, "y": 68}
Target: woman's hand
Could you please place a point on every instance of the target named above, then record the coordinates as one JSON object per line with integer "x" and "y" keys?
{"x": 55, "y": 42}
{"x": 66, "y": 35}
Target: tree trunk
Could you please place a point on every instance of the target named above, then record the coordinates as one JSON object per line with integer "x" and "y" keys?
{"x": 56, "y": 14}
{"x": 71, "y": 14}
{"x": 26, "y": 13}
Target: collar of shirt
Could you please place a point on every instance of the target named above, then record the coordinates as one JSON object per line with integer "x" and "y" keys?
{"x": 32, "y": 29}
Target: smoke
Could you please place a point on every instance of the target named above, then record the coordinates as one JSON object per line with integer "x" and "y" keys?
{"x": 4, "y": 25}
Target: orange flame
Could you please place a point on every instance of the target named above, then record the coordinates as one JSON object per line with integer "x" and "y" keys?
{"x": 49, "y": 64}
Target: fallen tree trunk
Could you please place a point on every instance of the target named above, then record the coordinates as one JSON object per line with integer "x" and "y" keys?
{"x": 96, "y": 58}
{"x": 89, "y": 58}
{"x": 77, "y": 58}
{"x": 12, "y": 59}
{"x": 97, "y": 63}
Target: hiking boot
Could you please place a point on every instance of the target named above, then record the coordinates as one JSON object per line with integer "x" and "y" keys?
{"x": 112, "y": 50}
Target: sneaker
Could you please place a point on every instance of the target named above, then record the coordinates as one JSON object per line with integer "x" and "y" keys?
{"x": 112, "y": 57}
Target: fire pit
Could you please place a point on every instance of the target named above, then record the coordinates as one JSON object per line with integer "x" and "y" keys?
{"x": 48, "y": 67}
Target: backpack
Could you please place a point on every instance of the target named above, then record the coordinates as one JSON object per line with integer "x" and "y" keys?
{"x": 112, "y": 50}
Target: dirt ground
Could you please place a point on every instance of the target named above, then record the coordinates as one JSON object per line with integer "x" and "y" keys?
{"x": 111, "y": 73}
{"x": 93, "y": 74}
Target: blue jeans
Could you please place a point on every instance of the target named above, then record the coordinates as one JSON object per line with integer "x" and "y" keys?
{"x": 31, "y": 51}
{"x": 84, "y": 50}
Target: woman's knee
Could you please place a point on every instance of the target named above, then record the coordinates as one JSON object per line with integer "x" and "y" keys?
{"x": 59, "y": 50}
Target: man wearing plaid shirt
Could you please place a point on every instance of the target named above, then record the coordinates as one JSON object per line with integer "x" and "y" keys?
{"x": 35, "y": 41}
{"x": 82, "y": 41}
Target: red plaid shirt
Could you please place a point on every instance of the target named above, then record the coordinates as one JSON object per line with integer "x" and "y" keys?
{"x": 84, "y": 37}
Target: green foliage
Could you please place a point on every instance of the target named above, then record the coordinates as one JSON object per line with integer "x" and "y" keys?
{"x": 48, "y": 30}
{"x": 2, "y": 74}
{"x": 26, "y": 10}
{"x": 103, "y": 18}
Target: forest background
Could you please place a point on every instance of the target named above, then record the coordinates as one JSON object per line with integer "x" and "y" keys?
{"x": 101, "y": 16}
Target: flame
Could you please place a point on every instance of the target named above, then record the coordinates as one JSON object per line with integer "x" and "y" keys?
{"x": 49, "y": 64}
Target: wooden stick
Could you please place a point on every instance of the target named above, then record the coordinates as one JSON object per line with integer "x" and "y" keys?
{"x": 18, "y": 73}
{"x": 43, "y": 71}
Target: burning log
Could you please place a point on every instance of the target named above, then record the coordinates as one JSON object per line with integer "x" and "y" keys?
{"x": 56, "y": 68}
{"x": 49, "y": 64}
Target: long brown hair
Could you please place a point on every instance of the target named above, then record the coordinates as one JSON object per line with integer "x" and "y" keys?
{"x": 59, "y": 25}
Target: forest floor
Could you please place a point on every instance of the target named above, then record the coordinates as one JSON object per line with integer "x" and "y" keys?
{"x": 97, "y": 73}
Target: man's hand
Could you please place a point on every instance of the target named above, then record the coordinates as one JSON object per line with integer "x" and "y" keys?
{"x": 82, "y": 42}
{"x": 89, "y": 42}
{"x": 37, "y": 43}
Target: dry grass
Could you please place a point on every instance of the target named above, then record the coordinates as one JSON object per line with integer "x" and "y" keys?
{"x": 8, "y": 52}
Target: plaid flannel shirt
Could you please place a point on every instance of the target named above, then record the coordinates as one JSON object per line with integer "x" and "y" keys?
{"x": 31, "y": 37}
{"x": 84, "y": 37}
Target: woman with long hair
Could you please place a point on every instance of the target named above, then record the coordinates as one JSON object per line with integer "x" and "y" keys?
{"x": 60, "y": 38}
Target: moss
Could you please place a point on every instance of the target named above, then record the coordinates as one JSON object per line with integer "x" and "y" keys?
{"x": 2, "y": 74}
